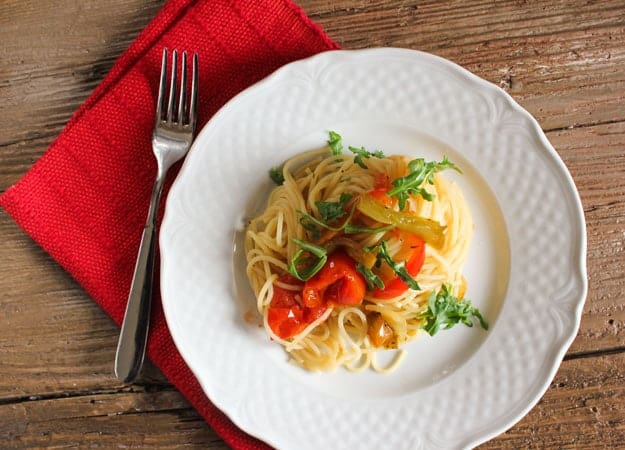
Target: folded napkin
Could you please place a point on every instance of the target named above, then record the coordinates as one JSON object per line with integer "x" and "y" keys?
{"x": 85, "y": 201}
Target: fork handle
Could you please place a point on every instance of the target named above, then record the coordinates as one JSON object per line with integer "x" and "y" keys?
{"x": 134, "y": 332}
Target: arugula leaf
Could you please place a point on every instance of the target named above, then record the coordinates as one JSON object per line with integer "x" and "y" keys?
{"x": 335, "y": 143}
{"x": 307, "y": 220}
{"x": 300, "y": 258}
{"x": 371, "y": 278}
{"x": 331, "y": 211}
{"x": 363, "y": 153}
{"x": 398, "y": 267}
{"x": 314, "y": 225}
{"x": 420, "y": 172}
{"x": 445, "y": 310}
{"x": 276, "y": 174}
{"x": 311, "y": 227}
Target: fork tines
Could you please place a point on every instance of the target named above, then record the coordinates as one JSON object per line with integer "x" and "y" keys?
{"x": 185, "y": 113}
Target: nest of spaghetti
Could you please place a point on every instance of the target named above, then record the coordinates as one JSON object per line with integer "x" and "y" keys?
{"x": 356, "y": 252}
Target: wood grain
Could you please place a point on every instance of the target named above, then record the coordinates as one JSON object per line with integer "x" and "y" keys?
{"x": 142, "y": 418}
{"x": 564, "y": 61}
{"x": 583, "y": 408}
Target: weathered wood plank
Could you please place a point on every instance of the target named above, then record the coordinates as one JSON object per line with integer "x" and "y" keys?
{"x": 582, "y": 409}
{"x": 595, "y": 157}
{"x": 136, "y": 418}
{"x": 17, "y": 157}
{"x": 55, "y": 53}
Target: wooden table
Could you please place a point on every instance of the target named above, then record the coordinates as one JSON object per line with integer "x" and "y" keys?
{"x": 564, "y": 61}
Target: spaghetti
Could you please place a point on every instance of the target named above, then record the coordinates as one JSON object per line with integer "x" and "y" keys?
{"x": 352, "y": 250}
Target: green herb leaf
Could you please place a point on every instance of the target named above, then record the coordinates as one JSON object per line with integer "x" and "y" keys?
{"x": 307, "y": 220}
{"x": 350, "y": 228}
{"x": 335, "y": 143}
{"x": 331, "y": 211}
{"x": 371, "y": 278}
{"x": 311, "y": 227}
{"x": 314, "y": 225}
{"x": 420, "y": 172}
{"x": 301, "y": 258}
{"x": 398, "y": 267}
{"x": 370, "y": 248}
{"x": 363, "y": 153}
{"x": 445, "y": 310}
{"x": 276, "y": 174}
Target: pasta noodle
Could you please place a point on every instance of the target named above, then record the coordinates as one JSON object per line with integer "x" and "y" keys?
{"x": 337, "y": 334}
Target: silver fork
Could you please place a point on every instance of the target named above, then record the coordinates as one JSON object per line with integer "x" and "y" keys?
{"x": 173, "y": 134}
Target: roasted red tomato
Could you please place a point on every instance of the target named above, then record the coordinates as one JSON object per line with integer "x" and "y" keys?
{"x": 381, "y": 185}
{"x": 337, "y": 283}
{"x": 287, "y": 316}
{"x": 412, "y": 252}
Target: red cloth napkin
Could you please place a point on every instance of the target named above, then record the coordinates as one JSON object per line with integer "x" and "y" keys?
{"x": 85, "y": 201}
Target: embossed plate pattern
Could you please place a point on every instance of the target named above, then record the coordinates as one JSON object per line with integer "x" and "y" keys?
{"x": 526, "y": 268}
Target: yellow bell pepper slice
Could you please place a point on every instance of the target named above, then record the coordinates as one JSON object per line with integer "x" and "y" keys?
{"x": 429, "y": 230}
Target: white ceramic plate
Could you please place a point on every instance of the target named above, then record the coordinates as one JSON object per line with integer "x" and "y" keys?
{"x": 526, "y": 267}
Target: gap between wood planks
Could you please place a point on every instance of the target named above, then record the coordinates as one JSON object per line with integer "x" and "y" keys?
{"x": 594, "y": 353}
{"x": 148, "y": 388}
